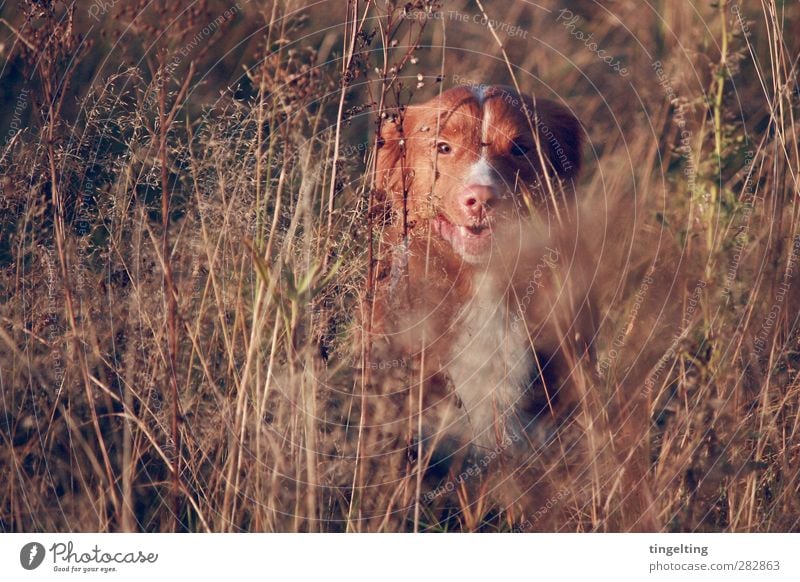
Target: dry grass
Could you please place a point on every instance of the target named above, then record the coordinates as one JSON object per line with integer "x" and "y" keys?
{"x": 182, "y": 253}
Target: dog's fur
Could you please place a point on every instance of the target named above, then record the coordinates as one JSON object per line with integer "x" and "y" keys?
{"x": 481, "y": 277}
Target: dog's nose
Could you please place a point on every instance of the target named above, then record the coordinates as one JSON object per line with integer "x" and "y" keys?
{"x": 476, "y": 201}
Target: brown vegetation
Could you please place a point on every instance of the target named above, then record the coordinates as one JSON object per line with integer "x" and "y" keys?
{"x": 183, "y": 248}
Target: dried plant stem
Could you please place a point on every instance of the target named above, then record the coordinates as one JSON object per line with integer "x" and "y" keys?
{"x": 166, "y": 118}
{"x": 54, "y": 99}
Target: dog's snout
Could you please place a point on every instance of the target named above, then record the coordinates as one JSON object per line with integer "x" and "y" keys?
{"x": 476, "y": 201}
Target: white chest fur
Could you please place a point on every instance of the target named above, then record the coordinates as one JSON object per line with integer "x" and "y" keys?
{"x": 490, "y": 363}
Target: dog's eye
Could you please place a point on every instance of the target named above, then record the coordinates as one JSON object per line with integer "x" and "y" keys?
{"x": 443, "y": 147}
{"x": 519, "y": 149}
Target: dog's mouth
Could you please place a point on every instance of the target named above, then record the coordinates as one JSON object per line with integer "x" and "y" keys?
{"x": 472, "y": 242}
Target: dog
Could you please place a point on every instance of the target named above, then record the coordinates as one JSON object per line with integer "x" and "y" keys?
{"x": 480, "y": 278}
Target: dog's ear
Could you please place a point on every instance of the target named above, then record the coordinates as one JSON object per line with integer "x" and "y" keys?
{"x": 388, "y": 168}
{"x": 561, "y": 136}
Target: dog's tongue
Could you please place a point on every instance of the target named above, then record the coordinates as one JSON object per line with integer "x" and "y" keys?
{"x": 472, "y": 243}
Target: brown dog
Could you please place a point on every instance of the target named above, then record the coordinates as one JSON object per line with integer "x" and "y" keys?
{"x": 481, "y": 280}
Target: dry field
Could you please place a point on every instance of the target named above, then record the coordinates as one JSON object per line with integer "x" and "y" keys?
{"x": 188, "y": 221}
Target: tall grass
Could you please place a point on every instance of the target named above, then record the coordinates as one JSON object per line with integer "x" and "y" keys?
{"x": 189, "y": 227}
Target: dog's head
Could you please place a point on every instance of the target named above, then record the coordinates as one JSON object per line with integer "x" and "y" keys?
{"x": 461, "y": 162}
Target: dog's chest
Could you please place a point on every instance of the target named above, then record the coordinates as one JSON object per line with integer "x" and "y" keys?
{"x": 490, "y": 361}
